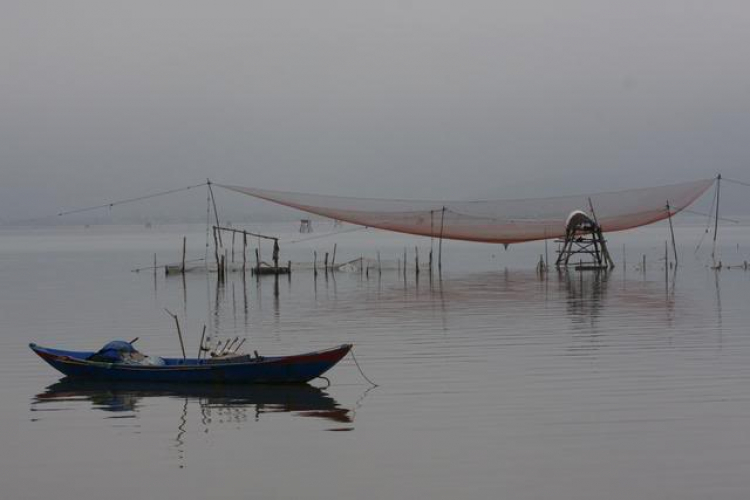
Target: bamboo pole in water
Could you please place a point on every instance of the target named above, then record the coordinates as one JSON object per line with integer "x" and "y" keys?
{"x": 244, "y": 251}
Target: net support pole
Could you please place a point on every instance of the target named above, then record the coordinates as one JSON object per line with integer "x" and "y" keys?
{"x": 440, "y": 243}
{"x": 184, "y": 248}
{"x": 671, "y": 232}
{"x": 244, "y": 252}
{"x": 213, "y": 202}
{"x": 716, "y": 218}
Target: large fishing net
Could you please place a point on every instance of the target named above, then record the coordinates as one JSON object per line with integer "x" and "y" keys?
{"x": 495, "y": 221}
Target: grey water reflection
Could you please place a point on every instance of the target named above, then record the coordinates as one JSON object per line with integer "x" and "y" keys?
{"x": 236, "y": 403}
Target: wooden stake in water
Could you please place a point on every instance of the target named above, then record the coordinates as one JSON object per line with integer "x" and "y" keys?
{"x": 416, "y": 261}
{"x": 244, "y": 251}
{"x": 333, "y": 257}
{"x": 716, "y": 218}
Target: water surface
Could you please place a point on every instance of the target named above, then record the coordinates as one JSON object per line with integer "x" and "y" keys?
{"x": 494, "y": 381}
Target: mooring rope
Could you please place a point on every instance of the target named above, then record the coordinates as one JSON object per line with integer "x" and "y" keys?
{"x": 360, "y": 368}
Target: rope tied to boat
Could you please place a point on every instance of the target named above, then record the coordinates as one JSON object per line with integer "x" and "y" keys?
{"x": 360, "y": 368}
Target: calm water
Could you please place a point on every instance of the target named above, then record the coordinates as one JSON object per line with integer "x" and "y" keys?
{"x": 494, "y": 383}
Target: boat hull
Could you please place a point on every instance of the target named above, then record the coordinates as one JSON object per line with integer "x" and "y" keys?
{"x": 268, "y": 370}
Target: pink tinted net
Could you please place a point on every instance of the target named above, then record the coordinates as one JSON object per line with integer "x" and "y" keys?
{"x": 494, "y": 221}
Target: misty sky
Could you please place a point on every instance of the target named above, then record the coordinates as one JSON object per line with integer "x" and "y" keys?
{"x": 412, "y": 99}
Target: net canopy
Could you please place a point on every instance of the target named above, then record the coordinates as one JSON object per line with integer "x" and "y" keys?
{"x": 494, "y": 221}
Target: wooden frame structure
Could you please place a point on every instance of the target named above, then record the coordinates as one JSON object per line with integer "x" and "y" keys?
{"x": 583, "y": 238}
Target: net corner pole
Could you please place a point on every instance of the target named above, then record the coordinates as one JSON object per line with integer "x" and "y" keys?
{"x": 671, "y": 232}
{"x": 440, "y": 241}
{"x": 213, "y": 202}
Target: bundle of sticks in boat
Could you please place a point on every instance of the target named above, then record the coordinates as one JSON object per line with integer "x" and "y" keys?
{"x": 227, "y": 348}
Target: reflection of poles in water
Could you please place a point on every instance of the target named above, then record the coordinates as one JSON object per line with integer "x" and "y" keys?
{"x": 184, "y": 295}
{"x": 217, "y": 305}
{"x": 717, "y": 283}
{"x": 245, "y": 308}
{"x": 181, "y": 429}
{"x": 234, "y": 304}
{"x": 154, "y": 275}
{"x": 276, "y": 301}
{"x": 586, "y": 294}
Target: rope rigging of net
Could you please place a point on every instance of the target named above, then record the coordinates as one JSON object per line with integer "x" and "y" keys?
{"x": 108, "y": 205}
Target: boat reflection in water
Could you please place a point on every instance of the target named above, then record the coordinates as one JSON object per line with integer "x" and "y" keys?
{"x": 231, "y": 402}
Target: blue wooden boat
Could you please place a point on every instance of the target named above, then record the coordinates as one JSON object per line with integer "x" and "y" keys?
{"x": 244, "y": 369}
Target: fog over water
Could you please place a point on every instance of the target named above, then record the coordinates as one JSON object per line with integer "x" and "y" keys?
{"x": 409, "y": 99}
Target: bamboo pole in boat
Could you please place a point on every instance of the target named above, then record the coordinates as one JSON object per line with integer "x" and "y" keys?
{"x": 200, "y": 345}
{"x": 239, "y": 345}
{"x": 179, "y": 332}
